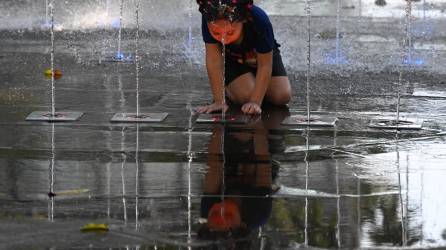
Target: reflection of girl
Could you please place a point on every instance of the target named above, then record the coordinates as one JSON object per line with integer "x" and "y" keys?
{"x": 244, "y": 179}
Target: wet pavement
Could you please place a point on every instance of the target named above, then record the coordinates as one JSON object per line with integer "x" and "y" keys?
{"x": 159, "y": 185}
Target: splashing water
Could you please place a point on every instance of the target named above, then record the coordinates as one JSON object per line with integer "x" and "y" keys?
{"x": 189, "y": 145}
{"x": 338, "y": 11}
{"x": 399, "y": 97}
{"x": 119, "y": 54}
{"x": 408, "y": 43}
{"x": 189, "y": 42}
{"x": 46, "y": 12}
{"x": 223, "y": 117}
{"x": 307, "y": 131}
{"x": 413, "y": 30}
{"x": 137, "y": 58}
{"x": 308, "y": 14}
{"x": 335, "y": 58}
{"x": 53, "y": 94}
{"x": 406, "y": 49}
{"x": 137, "y": 114}
{"x": 223, "y": 54}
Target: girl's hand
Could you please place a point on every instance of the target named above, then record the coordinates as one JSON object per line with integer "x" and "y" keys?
{"x": 251, "y": 108}
{"x": 212, "y": 108}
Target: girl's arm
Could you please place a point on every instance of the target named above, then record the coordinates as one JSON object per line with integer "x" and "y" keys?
{"x": 263, "y": 78}
{"x": 214, "y": 66}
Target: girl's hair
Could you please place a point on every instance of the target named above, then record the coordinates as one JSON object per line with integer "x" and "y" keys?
{"x": 232, "y": 10}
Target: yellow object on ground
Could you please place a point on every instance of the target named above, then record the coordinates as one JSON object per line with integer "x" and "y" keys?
{"x": 92, "y": 227}
{"x": 57, "y": 73}
{"x": 73, "y": 192}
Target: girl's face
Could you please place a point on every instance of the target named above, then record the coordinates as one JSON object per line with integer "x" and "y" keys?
{"x": 223, "y": 29}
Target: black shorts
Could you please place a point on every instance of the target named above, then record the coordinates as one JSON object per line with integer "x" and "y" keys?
{"x": 234, "y": 69}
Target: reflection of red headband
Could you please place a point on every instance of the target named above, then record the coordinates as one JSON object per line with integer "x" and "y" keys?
{"x": 224, "y": 216}
{"x": 232, "y": 10}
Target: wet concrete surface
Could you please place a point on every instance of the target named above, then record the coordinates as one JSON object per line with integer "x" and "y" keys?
{"x": 347, "y": 187}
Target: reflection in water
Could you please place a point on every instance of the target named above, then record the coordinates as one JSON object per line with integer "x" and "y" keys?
{"x": 387, "y": 218}
{"x": 384, "y": 219}
{"x": 189, "y": 182}
{"x": 121, "y": 90}
{"x": 403, "y": 213}
{"x": 358, "y": 210}
{"x": 338, "y": 198}
{"x": 238, "y": 185}
{"x": 108, "y": 188}
{"x": 190, "y": 157}
{"x": 307, "y": 169}
{"x": 124, "y": 160}
{"x": 190, "y": 154}
{"x": 124, "y": 201}
{"x": 51, "y": 193}
{"x": 421, "y": 205}
{"x": 137, "y": 178}
{"x": 338, "y": 207}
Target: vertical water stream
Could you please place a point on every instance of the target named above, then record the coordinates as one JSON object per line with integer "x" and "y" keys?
{"x": 53, "y": 94}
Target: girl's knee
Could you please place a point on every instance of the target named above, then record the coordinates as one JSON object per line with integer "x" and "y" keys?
{"x": 279, "y": 91}
{"x": 239, "y": 97}
{"x": 280, "y": 98}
